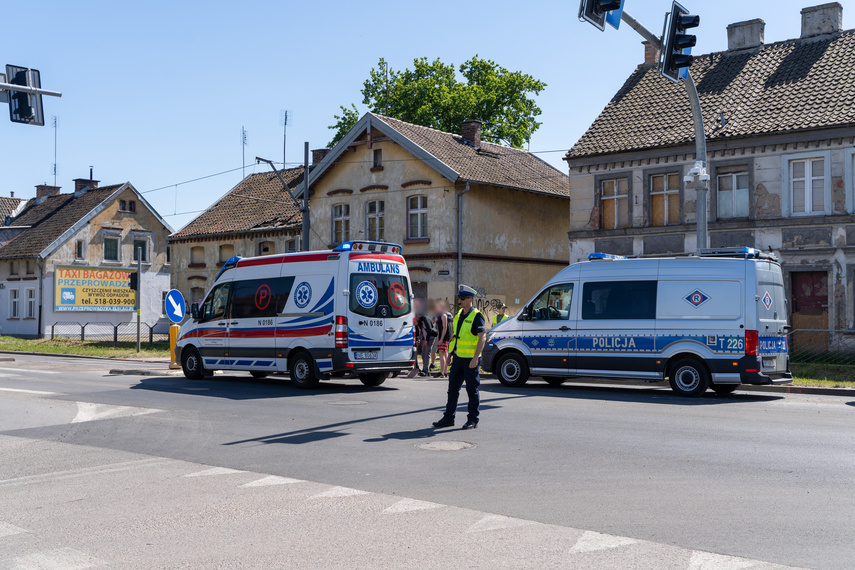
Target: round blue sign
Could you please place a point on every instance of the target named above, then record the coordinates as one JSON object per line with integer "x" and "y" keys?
{"x": 302, "y": 295}
{"x": 366, "y": 294}
{"x": 175, "y": 306}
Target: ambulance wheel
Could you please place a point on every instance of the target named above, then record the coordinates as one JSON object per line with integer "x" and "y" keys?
{"x": 554, "y": 380}
{"x": 302, "y": 371}
{"x": 373, "y": 379}
{"x": 512, "y": 370}
{"x": 259, "y": 375}
{"x": 689, "y": 377}
{"x": 722, "y": 389}
{"x": 191, "y": 363}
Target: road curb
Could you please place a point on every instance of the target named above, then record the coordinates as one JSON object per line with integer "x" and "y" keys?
{"x": 157, "y": 361}
{"x": 120, "y": 372}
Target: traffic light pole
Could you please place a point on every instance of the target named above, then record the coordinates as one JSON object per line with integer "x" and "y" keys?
{"x": 30, "y": 90}
{"x": 699, "y": 171}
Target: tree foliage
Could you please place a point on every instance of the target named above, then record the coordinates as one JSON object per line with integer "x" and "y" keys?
{"x": 430, "y": 94}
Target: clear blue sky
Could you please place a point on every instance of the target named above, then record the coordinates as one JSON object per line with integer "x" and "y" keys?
{"x": 156, "y": 92}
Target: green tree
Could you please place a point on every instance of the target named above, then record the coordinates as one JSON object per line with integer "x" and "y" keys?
{"x": 430, "y": 94}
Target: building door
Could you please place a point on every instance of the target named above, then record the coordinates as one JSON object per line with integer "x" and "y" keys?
{"x": 810, "y": 312}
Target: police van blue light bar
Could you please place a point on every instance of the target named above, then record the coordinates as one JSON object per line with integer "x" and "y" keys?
{"x": 739, "y": 252}
{"x": 598, "y": 256}
{"x": 370, "y": 246}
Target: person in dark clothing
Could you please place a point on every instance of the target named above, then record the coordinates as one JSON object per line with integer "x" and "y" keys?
{"x": 469, "y": 335}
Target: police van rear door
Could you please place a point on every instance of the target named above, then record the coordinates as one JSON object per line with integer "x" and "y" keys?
{"x": 771, "y": 317}
{"x": 380, "y": 319}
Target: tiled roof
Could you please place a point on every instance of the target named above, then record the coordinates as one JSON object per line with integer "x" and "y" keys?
{"x": 787, "y": 86}
{"x": 8, "y": 207}
{"x": 258, "y": 202}
{"x": 491, "y": 164}
{"x": 49, "y": 219}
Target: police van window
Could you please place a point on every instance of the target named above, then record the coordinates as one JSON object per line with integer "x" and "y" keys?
{"x": 216, "y": 303}
{"x": 372, "y": 294}
{"x": 553, "y": 304}
{"x": 619, "y": 300}
{"x": 257, "y": 298}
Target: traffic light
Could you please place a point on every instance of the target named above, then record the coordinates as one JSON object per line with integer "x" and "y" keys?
{"x": 678, "y": 44}
{"x": 595, "y": 11}
{"x": 135, "y": 281}
{"x": 25, "y": 107}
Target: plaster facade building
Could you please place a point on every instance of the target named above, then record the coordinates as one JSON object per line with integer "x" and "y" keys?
{"x": 256, "y": 217}
{"x": 465, "y": 210}
{"x": 780, "y": 127}
{"x": 67, "y": 258}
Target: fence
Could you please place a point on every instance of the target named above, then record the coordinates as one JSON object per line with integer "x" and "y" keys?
{"x": 108, "y": 332}
{"x": 822, "y": 346}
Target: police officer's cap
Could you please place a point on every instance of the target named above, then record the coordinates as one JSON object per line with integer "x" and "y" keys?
{"x": 465, "y": 291}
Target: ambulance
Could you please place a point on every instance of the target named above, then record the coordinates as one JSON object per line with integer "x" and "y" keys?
{"x": 712, "y": 320}
{"x": 315, "y": 315}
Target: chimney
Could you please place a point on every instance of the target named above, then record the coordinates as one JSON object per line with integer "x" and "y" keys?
{"x": 85, "y": 183}
{"x": 318, "y": 154}
{"x": 822, "y": 19}
{"x": 43, "y": 190}
{"x": 651, "y": 54}
{"x": 745, "y": 35}
{"x": 12, "y": 194}
{"x": 471, "y": 131}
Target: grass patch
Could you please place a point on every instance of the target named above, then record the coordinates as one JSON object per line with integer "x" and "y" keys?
{"x": 86, "y": 348}
{"x": 823, "y": 375}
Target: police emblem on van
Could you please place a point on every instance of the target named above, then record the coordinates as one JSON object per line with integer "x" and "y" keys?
{"x": 366, "y": 294}
{"x": 302, "y": 295}
{"x": 696, "y": 298}
{"x": 767, "y": 300}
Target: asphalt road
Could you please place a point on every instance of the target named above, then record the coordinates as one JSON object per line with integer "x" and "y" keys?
{"x": 655, "y": 480}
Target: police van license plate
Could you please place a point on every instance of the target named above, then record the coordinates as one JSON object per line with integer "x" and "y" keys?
{"x": 366, "y": 355}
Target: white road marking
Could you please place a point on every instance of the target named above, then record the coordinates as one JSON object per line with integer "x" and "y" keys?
{"x": 592, "y": 541}
{"x": 22, "y": 391}
{"x": 497, "y": 522}
{"x": 59, "y": 559}
{"x": 7, "y": 529}
{"x": 88, "y": 412}
{"x": 84, "y": 472}
{"x": 339, "y": 492}
{"x": 27, "y": 370}
{"x": 408, "y": 505}
{"x": 710, "y": 561}
{"x": 272, "y": 480}
{"x": 214, "y": 471}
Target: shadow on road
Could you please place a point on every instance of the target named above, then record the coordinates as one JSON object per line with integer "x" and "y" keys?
{"x": 850, "y": 403}
{"x": 652, "y": 395}
{"x": 248, "y": 388}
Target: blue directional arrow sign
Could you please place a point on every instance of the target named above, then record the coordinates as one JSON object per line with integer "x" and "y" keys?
{"x": 175, "y": 306}
{"x": 613, "y": 16}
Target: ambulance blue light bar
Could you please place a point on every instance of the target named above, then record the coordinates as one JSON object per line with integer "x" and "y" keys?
{"x": 599, "y": 256}
{"x": 370, "y": 246}
{"x": 230, "y": 264}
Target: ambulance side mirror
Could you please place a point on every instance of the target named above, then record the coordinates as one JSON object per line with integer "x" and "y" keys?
{"x": 194, "y": 311}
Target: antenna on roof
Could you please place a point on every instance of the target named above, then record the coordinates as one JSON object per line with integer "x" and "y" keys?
{"x": 54, "y": 123}
{"x": 243, "y": 151}
{"x": 283, "y": 122}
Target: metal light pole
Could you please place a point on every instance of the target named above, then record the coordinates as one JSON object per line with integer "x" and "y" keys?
{"x": 139, "y": 287}
{"x": 307, "y": 225}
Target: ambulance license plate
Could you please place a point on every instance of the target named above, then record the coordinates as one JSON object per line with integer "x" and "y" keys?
{"x": 366, "y": 355}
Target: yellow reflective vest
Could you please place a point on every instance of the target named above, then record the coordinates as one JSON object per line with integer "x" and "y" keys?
{"x": 466, "y": 344}
{"x": 497, "y": 320}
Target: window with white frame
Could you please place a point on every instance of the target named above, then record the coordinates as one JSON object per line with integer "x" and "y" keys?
{"x": 14, "y": 303}
{"x": 665, "y": 199}
{"x": 375, "y": 212}
{"x": 732, "y": 195}
{"x": 807, "y": 186}
{"x": 31, "y": 303}
{"x": 614, "y": 199}
{"x": 141, "y": 249}
{"x": 341, "y": 223}
{"x": 111, "y": 248}
{"x": 417, "y": 217}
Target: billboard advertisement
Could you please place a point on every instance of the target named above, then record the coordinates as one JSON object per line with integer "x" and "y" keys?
{"x": 93, "y": 289}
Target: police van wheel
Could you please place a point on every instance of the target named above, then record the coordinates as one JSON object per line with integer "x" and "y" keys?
{"x": 722, "y": 389}
{"x": 512, "y": 370}
{"x": 373, "y": 379}
{"x": 259, "y": 375}
{"x": 554, "y": 380}
{"x": 689, "y": 377}
{"x": 302, "y": 371}
{"x": 191, "y": 363}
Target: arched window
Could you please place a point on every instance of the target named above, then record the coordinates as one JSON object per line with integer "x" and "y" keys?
{"x": 197, "y": 255}
{"x": 227, "y": 251}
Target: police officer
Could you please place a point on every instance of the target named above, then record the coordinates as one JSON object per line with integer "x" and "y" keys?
{"x": 469, "y": 335}
{"x": 500, "y": 316}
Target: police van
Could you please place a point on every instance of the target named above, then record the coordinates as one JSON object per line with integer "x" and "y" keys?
{"x": 315, "y": 315}
{"x": 716, "y": 319}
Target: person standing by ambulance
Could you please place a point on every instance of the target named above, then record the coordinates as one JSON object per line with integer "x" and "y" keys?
{"x": 468, "y": 338}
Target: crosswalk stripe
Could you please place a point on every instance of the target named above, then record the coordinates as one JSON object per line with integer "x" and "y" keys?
{"x": 36, "y": 392}
{"x": 214, "y": 471}
{"x": 497, "y": 522}
{"x": 408, "y": 505}
{"x": 709, "y": 561}
{"x": 83, "y": 472}
{"x": 7, "y": 529}
{"x": 88, "y": 412}
{"x": 272, "y": 480}
{"x": 592, "y": 541}
{"x": 59, "y": 559}
{"x": 339, "y": 492}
